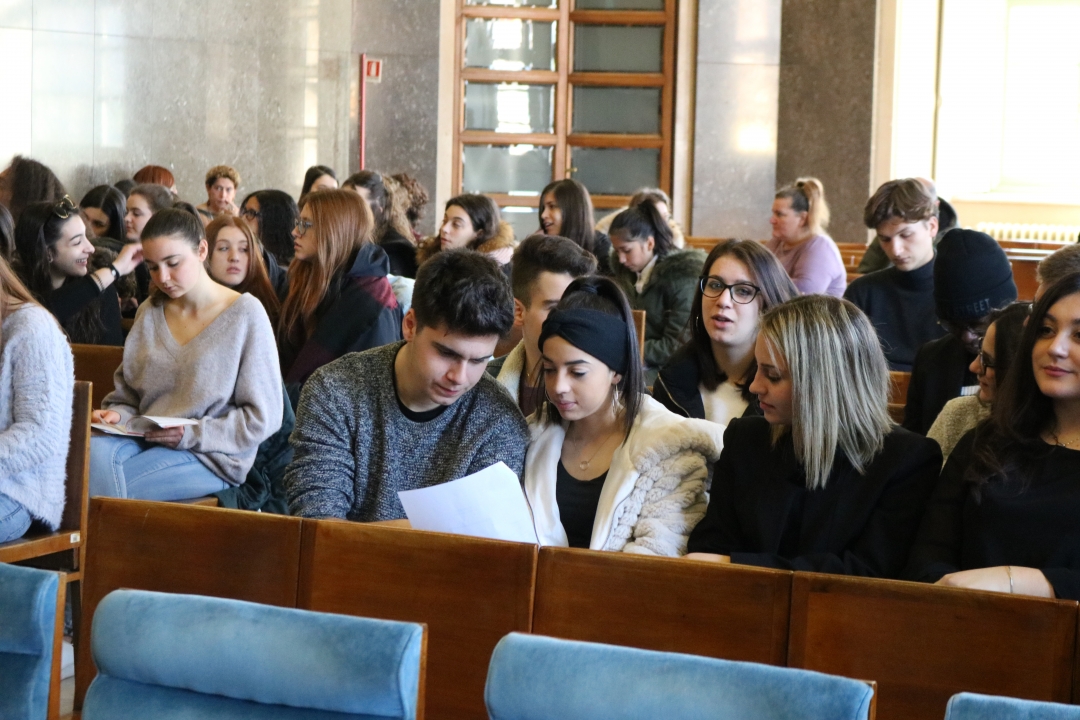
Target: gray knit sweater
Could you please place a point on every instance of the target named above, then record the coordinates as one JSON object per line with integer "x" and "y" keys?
{"x": 227, "y": 377}
{"x": 36, "y": 383}
{"x": 354, "y": 449}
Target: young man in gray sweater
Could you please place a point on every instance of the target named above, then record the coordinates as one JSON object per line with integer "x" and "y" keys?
{"x": 411, "y": 414}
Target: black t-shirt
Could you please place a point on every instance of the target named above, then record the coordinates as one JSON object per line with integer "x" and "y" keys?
{"x": 577, "y": 501}
{"x": 417, "y": 417}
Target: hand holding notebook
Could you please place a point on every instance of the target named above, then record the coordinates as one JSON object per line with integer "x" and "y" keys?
{"x": 139, "y": 426}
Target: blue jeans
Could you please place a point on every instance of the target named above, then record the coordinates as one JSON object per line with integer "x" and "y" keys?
{"x": 14, "y": 519}
{"x": 130, "y": 468}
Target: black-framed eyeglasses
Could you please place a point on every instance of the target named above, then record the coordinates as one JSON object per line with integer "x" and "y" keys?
{"x": 64, "y": 208}
{"x": 250, "y": 214}
{"x": 302, "y": 226}
{"x": 986, "y": 360}
{"x": 741, "y": 292}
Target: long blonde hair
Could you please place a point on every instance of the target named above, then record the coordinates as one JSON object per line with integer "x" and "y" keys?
{"x": 839, "y": 382}
{"x": 807, "y": 195}
{"x": 342, "y": 223}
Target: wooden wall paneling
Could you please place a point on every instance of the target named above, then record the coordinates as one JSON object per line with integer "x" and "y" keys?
{"x": 722, "y": 611}
{"x": 469, "y": 591}
{"x": 924, "y": 643}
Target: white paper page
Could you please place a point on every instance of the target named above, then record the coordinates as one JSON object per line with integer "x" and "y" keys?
{"x": 168, "y": 422}
{"x": 488, "y": 504}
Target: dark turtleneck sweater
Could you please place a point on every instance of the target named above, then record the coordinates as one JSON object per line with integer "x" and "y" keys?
{"x": 901, "y": 308}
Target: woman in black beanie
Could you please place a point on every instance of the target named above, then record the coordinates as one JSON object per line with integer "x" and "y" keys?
{"x": 972, "y": 278}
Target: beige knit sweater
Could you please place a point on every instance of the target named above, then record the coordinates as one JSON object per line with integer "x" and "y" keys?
{"x": 957, "y": 417}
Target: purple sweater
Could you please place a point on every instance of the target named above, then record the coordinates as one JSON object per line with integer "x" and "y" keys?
{"x": 814, "y": 265}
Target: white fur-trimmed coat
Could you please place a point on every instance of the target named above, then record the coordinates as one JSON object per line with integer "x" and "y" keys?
{"x": 655, "y": 491}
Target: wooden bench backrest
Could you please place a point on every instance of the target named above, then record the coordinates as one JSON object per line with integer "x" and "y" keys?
{"x": 639, "y": 328}
{"x": 721, "y": 611}
{"x": 183, "y": 549}
{"x": 898, "y": 386}
{"x": 1024, "y": 275}
{"x": 922, "y": 643}
{"x": 469, "y": 591}
{"x": 77, "y": 489}
{"x": 97, "y": 364}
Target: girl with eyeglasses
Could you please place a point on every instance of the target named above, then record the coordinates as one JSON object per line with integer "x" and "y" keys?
{"x": 271, "y": 215}
{"x": 1003, "y": 515}
{"x": 199, "y": 351}
{"x": 339, "y": 300}
{"x": 36, "y": 383}
{"x": 656, "y": 278}
{"x": 609, "y": 468}
{"x": 991, "y": 366}
{"x": 710, "y": 376}
{"x": 55, "y": 263}
{"x": 824, "y": 481}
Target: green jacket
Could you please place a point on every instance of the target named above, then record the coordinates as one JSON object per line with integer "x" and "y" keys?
{"x": 666, "y": 300}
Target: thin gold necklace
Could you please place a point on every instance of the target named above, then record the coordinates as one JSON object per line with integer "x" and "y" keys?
{"x": 584, "y": 464}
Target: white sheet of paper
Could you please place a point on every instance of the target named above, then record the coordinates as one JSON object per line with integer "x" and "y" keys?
{"x": 488, "y": 504}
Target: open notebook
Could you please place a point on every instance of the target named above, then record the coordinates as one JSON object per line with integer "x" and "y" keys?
{"x": 138, "y": 426}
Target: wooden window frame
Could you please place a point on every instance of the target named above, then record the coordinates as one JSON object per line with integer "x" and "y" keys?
{"x": 562, "y": 140}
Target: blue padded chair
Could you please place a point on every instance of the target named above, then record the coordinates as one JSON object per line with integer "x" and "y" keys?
{"x": 970, "y": 706}
{"x": 181, "y": 656}
{"x": 535, "y": 678}
{"x": 27, "y": 632}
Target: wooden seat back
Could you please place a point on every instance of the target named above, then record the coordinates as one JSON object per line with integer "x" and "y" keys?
{"x": 923, "y": 643}
{"x": 184, "y": 549}
{"x": 1025, "y": 271}
{"x": 639, "y": 328}
{"x": 97, "y": 364}
{"x": 469, "y": 591}
{"x": 703, "y": 243}
{"x": 700, "y": 608}
{"x": 898, "y": 386}
{"x": 852, "y": 255}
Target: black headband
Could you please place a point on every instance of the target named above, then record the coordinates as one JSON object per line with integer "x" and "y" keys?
{"x": 601, "y": 335}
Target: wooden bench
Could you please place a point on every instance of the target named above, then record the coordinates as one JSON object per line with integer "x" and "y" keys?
{"x": 852, "y": 255}
{"x": 97, "y": 364}
{"x": 184, "y": 549}
{"x": 65, "y": 549}
{"x": 923, "y": 643}
{"x": 701, "y": 608}
{"x": 469, "y": 591}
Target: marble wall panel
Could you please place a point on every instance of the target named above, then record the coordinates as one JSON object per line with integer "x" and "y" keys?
{"x": 826, "y": 104}
{"x": 735, "y": 123}
{"x": 111, "y": 85}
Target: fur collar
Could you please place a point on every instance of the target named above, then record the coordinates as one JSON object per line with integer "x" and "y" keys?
{"x": 504, "y": 238}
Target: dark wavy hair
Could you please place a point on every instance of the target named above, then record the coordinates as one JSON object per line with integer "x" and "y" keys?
{"x": 112, "y": 202}
{"x": 38, "y": 230}
{"x": 7, "y": 235}
{"x": 277, "y": 218}
{"x": 575, "y": 204}
{"x": 775, "y": 288}
{"x": 314, "y": 173}
{"x": 1009, "y": 442}
{"x": 483, "y": 214}
{"x": 465, "y": 292}
{"x": 641, "y": 221}
{"x": 602, "y": 294}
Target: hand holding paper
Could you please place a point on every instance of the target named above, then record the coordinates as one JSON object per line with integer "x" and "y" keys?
{"x": 488, "y": 504}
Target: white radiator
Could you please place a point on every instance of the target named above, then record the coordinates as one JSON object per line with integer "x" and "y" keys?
{"x": 1034, "y": 232}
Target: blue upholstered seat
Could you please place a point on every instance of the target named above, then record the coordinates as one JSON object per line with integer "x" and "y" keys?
{"x": 538, "y": 678}
{"x": 27, "y": 625}
{"x": 184, "y": 656}
{"x": 970, "y": 706}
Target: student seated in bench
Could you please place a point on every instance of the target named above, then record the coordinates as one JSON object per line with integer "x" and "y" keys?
{"x": 992, "y": 365}
{"x": 972, "y": 277}
{"x": 543, "y": 266}
{"x": 36, "y": 385}
{"x": 799, "y": 218}
{"x": 566, "y": 210}
{"x": 824, "y": 481}
{"x": 899, "y": 300}
{"x": 200, "y": 351}
{"x": 610, "y": 468}
{"x": 415, "y": 413}
{"x": 1003, "y": 515}
{"x": 710, "y": 376}
{"x": 55, "y": 263}
{"x": 656, "y": 278}
{"x": 237, "y": 260}
{"x": 339, "y": 300}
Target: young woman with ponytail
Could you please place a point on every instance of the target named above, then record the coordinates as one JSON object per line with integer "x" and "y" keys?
{"x": 609, "y": 468}
{"x": 656, "y": 278}
{"x": 811, "y": 258}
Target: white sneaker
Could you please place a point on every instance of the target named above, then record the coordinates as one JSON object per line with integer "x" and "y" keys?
{"x": 67, "y": 660}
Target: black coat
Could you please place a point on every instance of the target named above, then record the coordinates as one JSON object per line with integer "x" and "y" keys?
{"x": 760, "y": 512}
{"x": 939, "y": 374}
{"x": 401, "y": 252}
{"x": 1023, "y": 522}
{"x": 678, "y": 387}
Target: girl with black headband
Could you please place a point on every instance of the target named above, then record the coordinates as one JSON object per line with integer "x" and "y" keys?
{"x": 609, "y": 468}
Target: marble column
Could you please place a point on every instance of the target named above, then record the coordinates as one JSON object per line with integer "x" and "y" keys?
{"x": 826, "y": 104}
